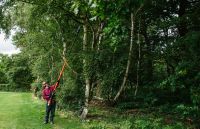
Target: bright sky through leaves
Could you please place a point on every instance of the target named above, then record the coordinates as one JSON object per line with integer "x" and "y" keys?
{"x": 6, "y": 46}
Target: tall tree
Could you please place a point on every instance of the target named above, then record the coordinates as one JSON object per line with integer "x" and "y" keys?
{"x": 133, "y": 16}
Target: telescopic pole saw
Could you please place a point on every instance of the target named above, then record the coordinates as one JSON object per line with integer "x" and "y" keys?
{"x": 60, "y": 75}
{"x": 58, "y": 81}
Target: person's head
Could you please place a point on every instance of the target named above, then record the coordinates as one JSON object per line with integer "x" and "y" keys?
{"x": 45, "y": 85}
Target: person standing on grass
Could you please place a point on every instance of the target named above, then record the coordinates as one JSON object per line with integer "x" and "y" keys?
{"x": 49, "y": 96}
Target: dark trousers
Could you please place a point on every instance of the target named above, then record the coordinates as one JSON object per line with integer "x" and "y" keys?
{"x": 50, "y": 110}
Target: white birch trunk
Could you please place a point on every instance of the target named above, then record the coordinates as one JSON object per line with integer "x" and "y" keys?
{"x": 129, "y": 55}
{"x": 129, "y": 59}
{"x": 87, "y": 80}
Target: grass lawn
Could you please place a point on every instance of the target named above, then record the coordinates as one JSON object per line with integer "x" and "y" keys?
{"x": 22, "y": 111}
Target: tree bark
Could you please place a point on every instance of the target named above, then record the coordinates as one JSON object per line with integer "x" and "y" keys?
{"x": 100, "y": 37}
{"x": 149, "y": 66}
{"x": 87, "y": 80}
{"x": 97, "y": 39}
{"x": 129, "y": 55}
{"x": 129, "y": 59}
{"x": 138, "y": 62}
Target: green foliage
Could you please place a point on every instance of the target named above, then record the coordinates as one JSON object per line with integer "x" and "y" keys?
{"x": 188, "y": 111}
{"x": 3, "y": 78}
{"x": 165, "y": 65}
{"x": 19, "y": 78}
{"x": 195, "y": 96}
{"x": 15, "y": 73}
{"x": 36, "y": 84}
{"x": 5, "y": 87}
{"x": 146, "y": 123}
{"x": 5, "y": 17}
{"x": 4, "y": 63}
{"x": 70, "y": 93}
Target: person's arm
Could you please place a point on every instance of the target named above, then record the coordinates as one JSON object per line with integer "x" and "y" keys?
{"x": 53, "y": 87}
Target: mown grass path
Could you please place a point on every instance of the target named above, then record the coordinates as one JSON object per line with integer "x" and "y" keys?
{"x": 22, "y": 111}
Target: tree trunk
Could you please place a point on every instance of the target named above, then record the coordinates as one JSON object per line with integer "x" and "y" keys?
{"x": 130, "y": 53}
{"x": 98, "y": 89}
{"x": 129, "y": 59}
{"x": 149, "y": 66}
{"x": 87, "y": 80}
{"x": 100, "y": 36}
{"x": 97, "y": 39}
{"x": 138, "y": 62}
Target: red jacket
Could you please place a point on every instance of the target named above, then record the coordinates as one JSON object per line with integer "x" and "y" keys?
{"x": 46, "y": 93}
